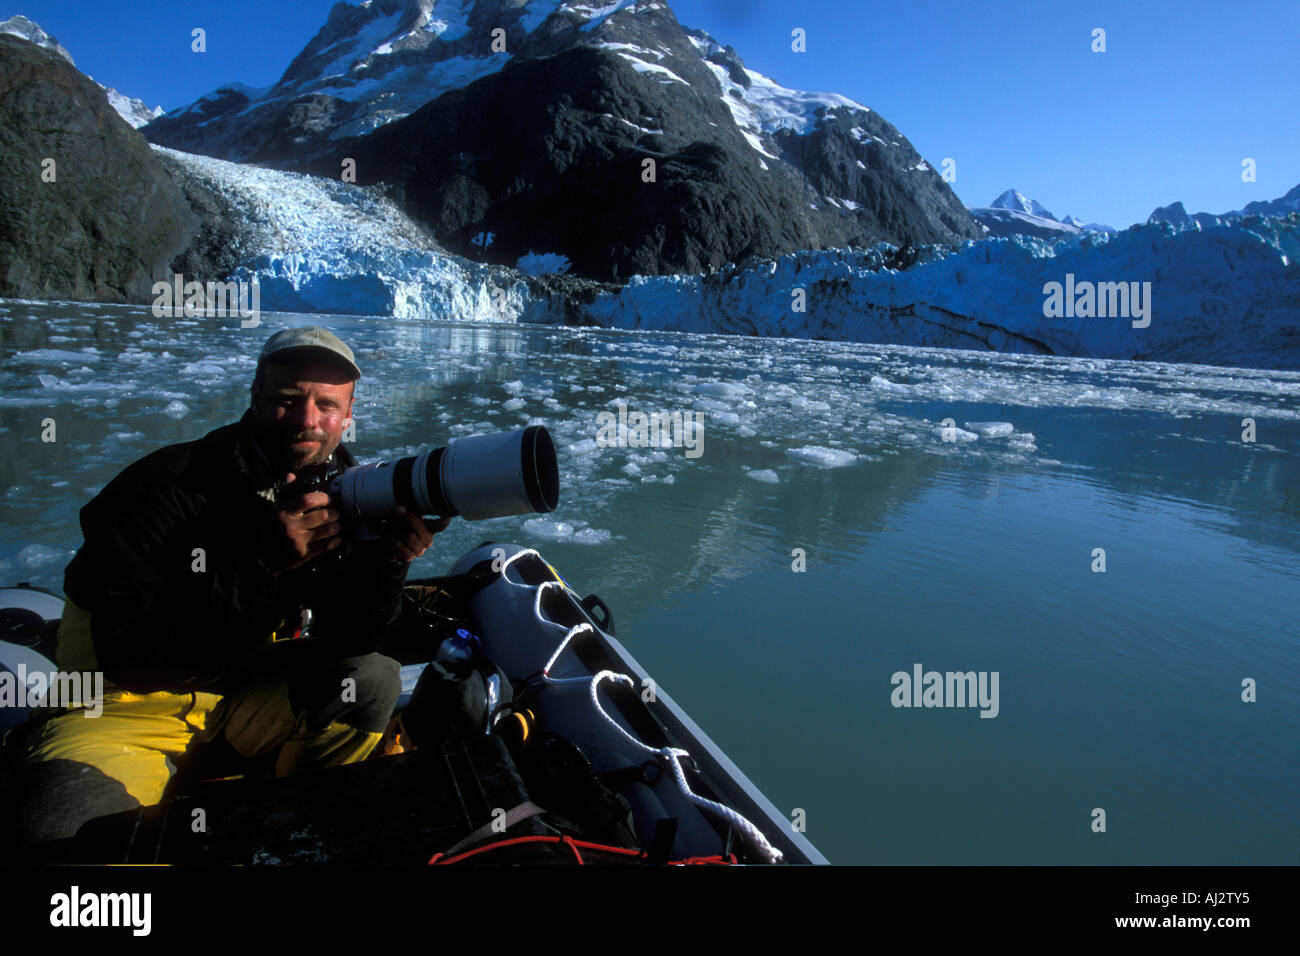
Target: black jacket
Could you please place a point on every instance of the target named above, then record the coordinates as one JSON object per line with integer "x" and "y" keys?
{"x": 159, "y": 624}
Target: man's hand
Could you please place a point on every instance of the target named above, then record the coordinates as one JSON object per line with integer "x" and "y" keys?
{"x": 409, "y": 536}
{"x": 308, "y": 526}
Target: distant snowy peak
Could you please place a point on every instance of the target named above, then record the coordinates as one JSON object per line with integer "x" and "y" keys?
{"x": 1013, "y": 214}
{"x": 1013, "y": 199}
{"x": 132, "y": 110}
{"x": 20, "y": 26}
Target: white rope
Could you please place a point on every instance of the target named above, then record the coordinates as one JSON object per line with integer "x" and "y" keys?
{"x": 670, "y": 755}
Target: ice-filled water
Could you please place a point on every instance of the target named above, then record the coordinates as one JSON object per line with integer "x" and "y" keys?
{"x": 842, "y": 513}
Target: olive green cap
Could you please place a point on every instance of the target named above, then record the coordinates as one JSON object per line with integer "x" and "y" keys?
{"x": 310, "y": 338}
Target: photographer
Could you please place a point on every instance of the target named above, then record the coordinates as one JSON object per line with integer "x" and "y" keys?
{"x": 188, "y": 593}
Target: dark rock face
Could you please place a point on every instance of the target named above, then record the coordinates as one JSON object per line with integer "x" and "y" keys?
{"x": 227, "y": 237}
{"x": 113, "y": 220}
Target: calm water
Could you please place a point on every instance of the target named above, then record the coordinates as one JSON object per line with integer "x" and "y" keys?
{"x": 1118, "y": 690}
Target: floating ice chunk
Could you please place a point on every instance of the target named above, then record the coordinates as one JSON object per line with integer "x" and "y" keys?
{"x": 591, "y": 536}
{"x": 722, "y": 389}
{"x": 38, "y": 556}
{"x": 822, "y": 456}
{"x": 1023, "y": 441}
{"x": 765, "y": 475}
{"x": 804, "y": 404}
{"x": 953, "y": 434}
{"x": 885, "y": 385}
{"x": 992, "y": 429}
{"x": 48, "y": 381}
{"x": 586, "y": 446}
{"x": 744, "y": 431}
{"x": 513, "y": 404}
{"x": 176, "y": 410}
{"x": 204, "y": 369}
{"x": 546, "y": 528}
{"x": 51, "y": 355}
{"x": 514, "y": 388}
{"x": 631, "y": 468}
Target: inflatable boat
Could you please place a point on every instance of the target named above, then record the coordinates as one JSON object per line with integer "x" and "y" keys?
{"x": 560, "y": 748}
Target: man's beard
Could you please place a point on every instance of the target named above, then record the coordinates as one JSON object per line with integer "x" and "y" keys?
{"x": 279, "y": 448}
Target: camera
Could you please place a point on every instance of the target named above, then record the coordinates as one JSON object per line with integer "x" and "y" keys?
{"x": 481, "y": 476}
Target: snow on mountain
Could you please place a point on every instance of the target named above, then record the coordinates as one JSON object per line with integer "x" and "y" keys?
{"x": 319, "y": 245}
{"x": 759, "y": 105}
{"x": 370, "y": 64}
{"x": 1000, "y": 223}
{"x": 20, "y": 26}
{"x": 132, "y": 110}
{"x": 1013, "y": 199}
{"x": 1226, "y": 295}
{"x": 384, "y": 59}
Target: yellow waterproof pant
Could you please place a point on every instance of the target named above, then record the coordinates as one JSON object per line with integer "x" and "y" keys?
{"x": 136, "y": 738}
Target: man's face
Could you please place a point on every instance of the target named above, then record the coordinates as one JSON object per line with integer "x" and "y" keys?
{"x": 301, "y": 410}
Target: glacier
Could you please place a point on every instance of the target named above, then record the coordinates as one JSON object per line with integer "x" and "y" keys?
{"x": 1226, "y": 294}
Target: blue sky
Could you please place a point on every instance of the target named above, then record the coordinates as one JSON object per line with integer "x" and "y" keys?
{"x": 1010, "y": 90}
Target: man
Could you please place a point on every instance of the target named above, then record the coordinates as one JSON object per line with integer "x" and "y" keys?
{"x": 198, "y": 563}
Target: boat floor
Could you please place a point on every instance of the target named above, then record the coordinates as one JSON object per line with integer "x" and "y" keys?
{"x": 399, "y": 809}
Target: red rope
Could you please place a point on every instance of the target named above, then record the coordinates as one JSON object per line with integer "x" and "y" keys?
{"x": 574, "y": 845}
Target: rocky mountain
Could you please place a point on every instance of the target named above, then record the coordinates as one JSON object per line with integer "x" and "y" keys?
{"x": 86, "y": 209}
{"x": 1176, "y": 213}
{"x": 132, "y": 110}
{"x": 1013, "y": 214}
{"x": 540, "y": 144}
